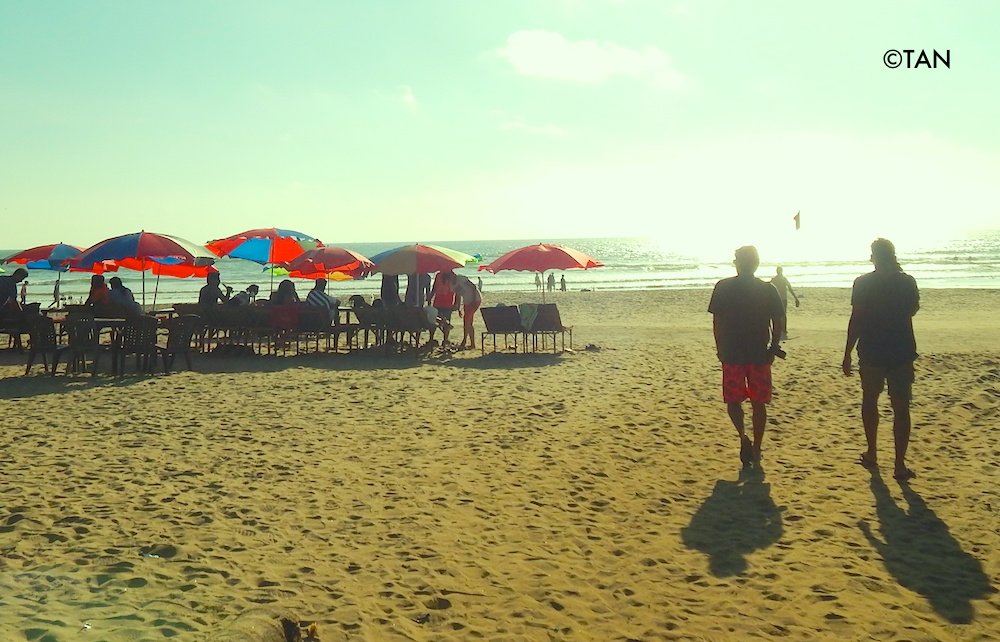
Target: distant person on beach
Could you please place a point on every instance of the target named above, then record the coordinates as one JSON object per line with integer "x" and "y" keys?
{"x": 246, "y": 297}
{"x": 746, "y": 317}
{"x": 390, "y": 291}
{"x": 783, "y": 287}
{"x": 562, "y": 282}
{"x": 8, "y": 288}
{"x": 318, "y": 297}
{"x": 538, "y": 282}
{"x": 443, "y": 300}
{"x": 99, "y": 293}
{"x": 24, "y": 292}
{"x": 121, "y": 295}
{"x": 551, "y": 282}
{"x": 285, "y": 294}
{"x": 881, "y": 326}
{"x": 469, "y": 298}
{"x": 211, "y": 293}
{"x": 479, "y": 283}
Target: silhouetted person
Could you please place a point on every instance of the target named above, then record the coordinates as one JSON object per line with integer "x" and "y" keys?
{"x": 99, "y": 292}
{"x": 8, "y": 288}
{"x": 246, "y": 297}
{"x": 538, "y": 282}
{"x": 390, "y": 291}
{"x": 285, "y": 294}
{"x": 881, "y": 325}
{"x": 122, "y": 296}
{"x": 418, "y": 290}
{"x": 551, "y": 282}
{"x": 211, "y": 292}
{"x": 746, "y": 315}
{"x": 783, "y": 287}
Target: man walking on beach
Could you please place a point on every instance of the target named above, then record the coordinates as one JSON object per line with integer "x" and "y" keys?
{"x": 783, "y": 287}
{"x": 883, "y": 304}
{"x": 747, "y": 322}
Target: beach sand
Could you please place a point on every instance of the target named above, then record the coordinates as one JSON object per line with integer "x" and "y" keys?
{"x": 593, "y": 495}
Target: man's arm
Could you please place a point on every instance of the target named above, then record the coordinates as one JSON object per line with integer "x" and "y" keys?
{"x": 717, "y": 333}
{"x": 852, "y": 341}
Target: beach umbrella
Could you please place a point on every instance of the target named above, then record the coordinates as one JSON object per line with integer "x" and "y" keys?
{"x": 265, "y": 245}
{"x": 540, "y": 258}
{"x": 46, "y": 257}
{"x": 419, "y": 259}
{"x": 327, "y": 262}
{"x": 141, "y": 251}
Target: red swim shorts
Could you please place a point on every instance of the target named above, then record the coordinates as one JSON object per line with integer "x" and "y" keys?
{"x": 746, "y": 381}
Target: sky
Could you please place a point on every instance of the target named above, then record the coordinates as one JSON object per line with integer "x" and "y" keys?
{"x": 698, "y": 123}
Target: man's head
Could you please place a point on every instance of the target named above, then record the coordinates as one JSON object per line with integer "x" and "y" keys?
{"x": 779, "y": 270}
{"x": 19, "y": 275}
{"x": 253, "y": 290}
{"x": 96, "y": 280}
{"x": 884, "y": 254}
{"x": 320, "y": 284}
{"x": 747, "y": 260}
{"x": 115, "y": 282}
{"x": 213, "y": 278}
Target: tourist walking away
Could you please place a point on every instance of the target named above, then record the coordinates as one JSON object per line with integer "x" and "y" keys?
{"x": 746, "y": 321}
{"x": 562, "y": 283}
{"x": 883, "y": 303}
{"x": 538, "y": 282}
{"x": 551, "y": 282}
{"x": 781, "y": 284}
{"x": 468, "y": 299}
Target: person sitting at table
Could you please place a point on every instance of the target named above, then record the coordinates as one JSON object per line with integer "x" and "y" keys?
{"x": 121, "y": 295}
{"x": 318, "y": 297}
{"x": 211, "y": 293}
{"x": 99, "y": 293}
{"x": 285, "y": 294}
{"x": 246, "y": 297}
{"x": 8, "y": 289}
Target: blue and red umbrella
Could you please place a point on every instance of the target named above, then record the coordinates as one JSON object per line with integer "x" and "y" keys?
{"x": 45, "y": 257}
{"x": 265, "y": 245}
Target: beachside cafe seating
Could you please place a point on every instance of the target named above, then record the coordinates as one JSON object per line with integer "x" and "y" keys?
{"x": 41, "y": 342}
{"x": 504, "y": 320}
{"x": 83, "y": 341}
{"x": 181, "y": 331}
{"x": 136, "y": 338}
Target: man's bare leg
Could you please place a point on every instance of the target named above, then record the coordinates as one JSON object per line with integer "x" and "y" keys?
{"x": 759, "y": 420}
{"x": 901, "y": 436}
{"x": 870, "y": 418}
{"x": 736, "y": 415}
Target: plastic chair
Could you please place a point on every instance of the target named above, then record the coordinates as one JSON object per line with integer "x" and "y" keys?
{"x": 180, "y": 334}
{"x": 41, "y": 341}
{"x": 83, "y": 342}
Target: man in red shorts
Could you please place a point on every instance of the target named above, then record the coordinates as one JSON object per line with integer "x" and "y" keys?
{"x": 747, "y": 321}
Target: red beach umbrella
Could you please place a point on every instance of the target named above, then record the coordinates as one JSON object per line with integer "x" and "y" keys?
{"x": 323, "y": 262}
{"x": 540, "y": 258}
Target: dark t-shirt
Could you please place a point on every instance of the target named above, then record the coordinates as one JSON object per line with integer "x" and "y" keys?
{"x": 210, "y": 295}
{"x": 743, "y": 309}
{"x": 8, "y": 290}
{"x": 884, "y": 305}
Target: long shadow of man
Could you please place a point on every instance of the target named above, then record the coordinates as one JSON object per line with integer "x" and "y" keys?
{"x": 921, "y": 554}
{"x": 737, "y": 519}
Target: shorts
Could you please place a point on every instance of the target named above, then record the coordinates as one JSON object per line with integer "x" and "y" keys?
{"x": 899, "y": 379}
{"x": 445, "y": 313}
{"x": 746, "y": 381}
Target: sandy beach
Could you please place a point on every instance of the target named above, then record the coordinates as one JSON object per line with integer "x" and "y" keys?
{"x": 592, "y": 495}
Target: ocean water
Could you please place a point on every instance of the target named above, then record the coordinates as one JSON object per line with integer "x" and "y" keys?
{"x": 969, "y": 261}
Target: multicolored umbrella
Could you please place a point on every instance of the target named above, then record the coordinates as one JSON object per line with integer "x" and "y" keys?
{"x": 540, "y": 258}
{"x": 326, "y": 262}
{"x": 265, "y": 245}
{"x": 420, "y": 259}
{"x": 45, "y": 257}
{"x": 141, "y": 251}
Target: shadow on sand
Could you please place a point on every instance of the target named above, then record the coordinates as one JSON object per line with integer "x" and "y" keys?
{"x": 920, "y": 552}
{"x": 737, "y": 519}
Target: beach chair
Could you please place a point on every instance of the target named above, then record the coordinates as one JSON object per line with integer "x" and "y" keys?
{"x": 374, "y": 323}
{"x": 547, "y": 324}
{"x": 406, "y": 328}
{"x": 314, "y": 324}
{"x": 181, "y": 333}
{"x": 41, "y": 341}
{"x": 505, "y": 321}
{"x": 283, "y": 320}
{"x": 83, "y": 341}
{"x": 137, "y": 338}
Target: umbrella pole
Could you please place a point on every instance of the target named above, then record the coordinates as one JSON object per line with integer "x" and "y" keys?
{"x": 144, "y": 283}
{"x": 156, "y": 290}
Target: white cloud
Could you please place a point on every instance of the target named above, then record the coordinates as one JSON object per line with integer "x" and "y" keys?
{"x": 514, "y": 122}
{"x": 547, "y": 54}
{"x": 407, "y": 97}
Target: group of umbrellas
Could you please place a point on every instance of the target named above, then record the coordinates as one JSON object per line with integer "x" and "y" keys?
{"x": 299, "y": 255}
